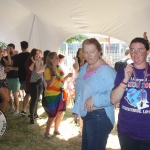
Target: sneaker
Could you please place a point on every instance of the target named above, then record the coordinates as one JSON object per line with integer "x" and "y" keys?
{"x": 11, "y": 110}
{"x": 35, "y": 117}
{"x": 23, "y": 113}
{"x": 47, "y": 136}
{"x": 16, "y": 112}
{"x": 56, "y": 132}
{"x": 31, "y": 121}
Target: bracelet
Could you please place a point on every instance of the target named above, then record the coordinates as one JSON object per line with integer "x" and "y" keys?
{"x": 121, "y": 85}
{"x": 124, "y": 83}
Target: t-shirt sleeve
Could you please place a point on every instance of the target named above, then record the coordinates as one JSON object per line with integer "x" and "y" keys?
{"x": 119, "y": 77}
{"x": 47, "y": 74}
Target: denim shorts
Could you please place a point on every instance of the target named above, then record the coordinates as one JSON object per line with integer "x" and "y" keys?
{"x": 3, "y": 83}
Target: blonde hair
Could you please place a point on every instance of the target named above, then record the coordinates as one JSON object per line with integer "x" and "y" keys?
{"x": 49, "y": 64}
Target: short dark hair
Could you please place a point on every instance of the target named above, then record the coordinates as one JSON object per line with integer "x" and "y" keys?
{"x": 24, "y": 44}
{"x": 11, "y": 45}
{"x": 60, "y": 56}
{"x": 141, "y": 40}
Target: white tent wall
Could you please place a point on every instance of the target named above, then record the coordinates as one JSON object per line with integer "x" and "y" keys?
{"x": 46, "y": 24}
{"x": 15, "y": 22}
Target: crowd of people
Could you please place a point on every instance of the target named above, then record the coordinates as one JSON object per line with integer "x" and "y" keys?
{"x": 35, "y": 75}
{"x": 97, "y": 85}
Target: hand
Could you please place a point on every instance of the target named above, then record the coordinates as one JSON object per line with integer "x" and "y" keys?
{"x": 145, "y": 36}
{"x": 32, "y": 59}
{"x": 70, "y": 74}
{"x": 38, "y": 59}
{"x": 36, "y": 56}
{"x": 75, "y": 118}
{"x": 128, "y": 70}
{"x": 8, "y": 50}
{"x": 75, "y": 58}
{"x": 42, "y": 63}
{"x": 89, "y": 104}
{"x": 38, "y": 62}
{"x": 8, "y": 68}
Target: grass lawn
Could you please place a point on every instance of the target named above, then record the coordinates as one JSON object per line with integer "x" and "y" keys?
{"x": 20, "y": 135}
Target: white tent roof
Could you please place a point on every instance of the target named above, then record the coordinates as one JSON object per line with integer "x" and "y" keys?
{"x": 46, "y": 24}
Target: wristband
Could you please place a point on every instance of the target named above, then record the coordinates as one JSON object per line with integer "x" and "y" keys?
{"x": 54, "y": 74}
{"x": 124, "y": 83}
{"x": 122, "y": 86}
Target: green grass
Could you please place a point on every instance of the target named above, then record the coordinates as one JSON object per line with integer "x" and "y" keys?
{"x": 20, "y": 135}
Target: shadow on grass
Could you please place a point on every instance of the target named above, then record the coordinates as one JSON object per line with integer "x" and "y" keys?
{"x": 20, "y": 135}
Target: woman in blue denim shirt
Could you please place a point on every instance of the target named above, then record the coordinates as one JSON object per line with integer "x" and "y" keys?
{"x": 93, "y": 87}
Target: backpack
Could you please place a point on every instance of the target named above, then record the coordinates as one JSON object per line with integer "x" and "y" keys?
{"x": 120, "y": 64}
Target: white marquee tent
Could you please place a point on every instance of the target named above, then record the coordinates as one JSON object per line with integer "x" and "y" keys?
{"x": 46, "y": 24}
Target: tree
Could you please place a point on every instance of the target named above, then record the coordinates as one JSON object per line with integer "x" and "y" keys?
{"x": 76, "y": 38}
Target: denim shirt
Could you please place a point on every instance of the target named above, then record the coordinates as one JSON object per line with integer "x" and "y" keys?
{"x": 99, "y": 86}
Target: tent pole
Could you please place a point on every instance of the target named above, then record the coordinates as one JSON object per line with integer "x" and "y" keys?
{"x": 109, "y": 54}
{"x": 31, "y": 29}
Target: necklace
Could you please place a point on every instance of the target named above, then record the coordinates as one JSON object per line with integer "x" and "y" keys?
{"x": 145, "y": 74}
{"x": 60, "y": 75}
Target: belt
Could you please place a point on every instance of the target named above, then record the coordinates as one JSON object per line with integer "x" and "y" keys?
{"x": 95, "y": 108}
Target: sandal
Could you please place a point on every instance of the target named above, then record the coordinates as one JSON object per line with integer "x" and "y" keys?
{"x": 56, "y": 132}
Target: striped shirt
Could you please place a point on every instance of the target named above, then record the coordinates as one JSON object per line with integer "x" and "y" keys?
{"x": 35, "y": 76}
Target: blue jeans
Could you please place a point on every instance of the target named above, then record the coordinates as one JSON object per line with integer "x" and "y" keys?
{"x": 96, "y": 128}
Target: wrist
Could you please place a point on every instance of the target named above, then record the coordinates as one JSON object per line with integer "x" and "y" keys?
{"x": 122, "y": 86}
{"x": 54, "y": 74}
{"x": 124, "y": 82}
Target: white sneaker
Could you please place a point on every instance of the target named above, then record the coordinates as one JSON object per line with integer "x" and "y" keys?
{"x": 16, "y": 112}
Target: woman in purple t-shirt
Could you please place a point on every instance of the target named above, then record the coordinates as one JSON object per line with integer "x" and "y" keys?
{"x": 132, "y": 89}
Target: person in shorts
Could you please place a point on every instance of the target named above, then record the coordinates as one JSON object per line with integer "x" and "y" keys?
{"x": 21, "y": 59}
{"x": 13, "y": 80}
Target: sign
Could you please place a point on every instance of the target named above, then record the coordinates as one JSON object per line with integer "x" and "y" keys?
{"x": 3, "y": 124}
